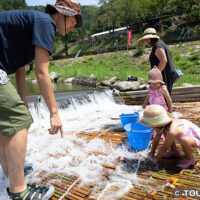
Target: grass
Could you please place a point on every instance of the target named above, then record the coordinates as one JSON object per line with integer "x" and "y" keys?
{"x": 124, "y": 63}
{"x": 187, "y": 58}
{"x": 115, "y": 64}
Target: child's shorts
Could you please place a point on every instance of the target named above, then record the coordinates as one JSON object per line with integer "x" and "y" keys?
{"x": 14, "y": 115}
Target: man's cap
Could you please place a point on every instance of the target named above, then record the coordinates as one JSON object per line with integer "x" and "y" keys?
{"x": 67, "y": 8}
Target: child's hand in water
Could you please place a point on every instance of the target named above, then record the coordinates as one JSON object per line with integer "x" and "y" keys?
{"x": 154, "y": 159}
{"x": 170, "y": 110}
{"x": 150, "y": 155}
{"x": 144, "y": 106}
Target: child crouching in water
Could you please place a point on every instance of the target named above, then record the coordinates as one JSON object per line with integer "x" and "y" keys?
{"x": 175, "y": 130}
{"x": 157, "y": 93}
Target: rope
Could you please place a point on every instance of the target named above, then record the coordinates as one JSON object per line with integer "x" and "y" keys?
{"x": 74, "y": 183}
{"x": 187, "y": 33}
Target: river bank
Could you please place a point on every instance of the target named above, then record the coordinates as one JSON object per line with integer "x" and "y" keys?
{"x": 121, "y": 64}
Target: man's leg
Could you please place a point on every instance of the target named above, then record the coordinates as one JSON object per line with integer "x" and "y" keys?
{"x": 12, "y": 158}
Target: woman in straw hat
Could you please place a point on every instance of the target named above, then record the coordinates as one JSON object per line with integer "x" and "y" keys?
{"x": 175, "y": 130}
{"x": 160, "y": 56}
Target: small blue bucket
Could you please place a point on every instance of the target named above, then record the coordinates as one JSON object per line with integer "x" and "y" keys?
{"x": 139, "y": 135}
{"x": 129, "y": 118}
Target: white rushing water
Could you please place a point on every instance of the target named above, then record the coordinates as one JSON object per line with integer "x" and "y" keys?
{"x": 72, "y": 155}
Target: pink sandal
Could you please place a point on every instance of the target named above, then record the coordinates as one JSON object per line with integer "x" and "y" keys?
{"x": 185, "y": 163}
{"x": 171, "y": 154}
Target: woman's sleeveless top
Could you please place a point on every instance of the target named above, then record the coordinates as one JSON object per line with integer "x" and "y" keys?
{"x": 168, "y": 73}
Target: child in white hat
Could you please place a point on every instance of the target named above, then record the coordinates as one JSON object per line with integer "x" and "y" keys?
{"x": 175, "y": 130}
{"x": 157, "y": 93}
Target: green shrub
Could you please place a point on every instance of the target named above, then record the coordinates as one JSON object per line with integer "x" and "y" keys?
{"x": 139, "y": 50}
{"x": 194, "y": 57}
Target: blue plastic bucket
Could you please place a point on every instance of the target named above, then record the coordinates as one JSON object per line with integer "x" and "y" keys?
{"x": 129, "y": 118}
{"x": 139, "y": 135}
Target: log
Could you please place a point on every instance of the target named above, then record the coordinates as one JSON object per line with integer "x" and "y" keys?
{"x": 175, "y": 90}
{"x": 179, "y": 94}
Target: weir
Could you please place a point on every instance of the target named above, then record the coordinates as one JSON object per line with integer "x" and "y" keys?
{"x": 74, "y": 156}
{"x": 94, "y": 162}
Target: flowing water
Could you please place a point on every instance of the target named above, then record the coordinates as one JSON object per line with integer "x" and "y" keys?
{"x": 87, "y": 112}
{"x": 32, "y": 87}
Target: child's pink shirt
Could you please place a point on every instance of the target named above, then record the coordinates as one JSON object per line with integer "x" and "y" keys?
{"x": 156, "y": 97}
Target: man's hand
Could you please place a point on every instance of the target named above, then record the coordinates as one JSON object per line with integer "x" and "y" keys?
{"x": 56, "y": 125}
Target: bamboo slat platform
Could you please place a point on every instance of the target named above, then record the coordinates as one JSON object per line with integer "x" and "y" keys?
{"x": 179, "y": 94}
{"x": 156, "y": 181}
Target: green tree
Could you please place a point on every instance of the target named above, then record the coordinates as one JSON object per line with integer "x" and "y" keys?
{"x": 190, "y": 10}
{"x": 12, "y": 4}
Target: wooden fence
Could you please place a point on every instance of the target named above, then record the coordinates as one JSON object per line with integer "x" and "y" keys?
{"x": 179, "y": 94}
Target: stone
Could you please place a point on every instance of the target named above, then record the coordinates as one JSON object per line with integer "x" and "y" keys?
{"x": 84, "y": 81}
{"x": 53, "y": 77}
{"x": 113, "y": 80}
{"x": 143, "y": 87}
{"x": 141, "y": 80}
{"x": 106, "y": 83}
{"x": 92, "y": 76}
{"x": 197, "y": 46}
{"x": 69, "y": 80}
{"x": 132, "y": 78}
{"x": 127, "y": 85}
{"x": 186, "y": 85}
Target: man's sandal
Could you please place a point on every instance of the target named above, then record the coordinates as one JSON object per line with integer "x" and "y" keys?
{"x": 34, "y": 191}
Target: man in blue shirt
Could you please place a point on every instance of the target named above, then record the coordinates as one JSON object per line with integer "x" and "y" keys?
{"x": 25, "y": 36}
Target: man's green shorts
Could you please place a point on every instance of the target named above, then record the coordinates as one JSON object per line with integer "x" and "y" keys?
{"x": 14, "y": 115}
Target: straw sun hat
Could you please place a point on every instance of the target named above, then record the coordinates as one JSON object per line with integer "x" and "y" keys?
{"x": 148, "y": 34}
{"x": 155, "y": 116}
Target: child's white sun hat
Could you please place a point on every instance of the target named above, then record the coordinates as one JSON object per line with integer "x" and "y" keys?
{"x": 155, "y": 116}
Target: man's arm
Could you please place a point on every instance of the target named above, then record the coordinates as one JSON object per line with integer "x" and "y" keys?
{"x": 20, "y": 84}
{"x": 161, "y": 55}
{"x": 42, "y": 74}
